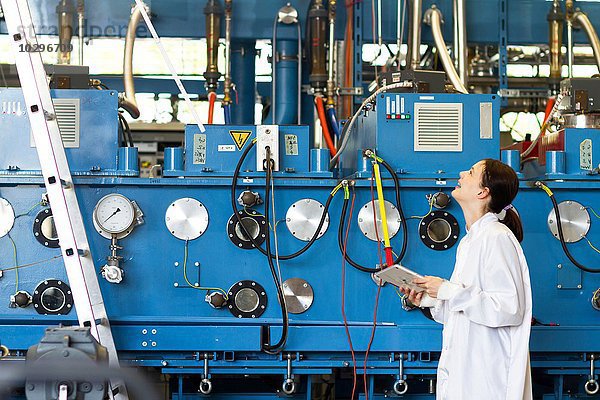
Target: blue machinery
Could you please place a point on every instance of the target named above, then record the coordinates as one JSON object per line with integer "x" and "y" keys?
{"x": 188, "y": 294}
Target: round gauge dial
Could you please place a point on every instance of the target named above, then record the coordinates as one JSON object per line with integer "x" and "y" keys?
{"x": 114, "y": 213}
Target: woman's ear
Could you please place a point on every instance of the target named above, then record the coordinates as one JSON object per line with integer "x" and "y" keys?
{"x": 485, "y": 192}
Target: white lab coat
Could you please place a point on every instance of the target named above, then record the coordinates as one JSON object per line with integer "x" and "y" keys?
{"x": 486, "y": 312}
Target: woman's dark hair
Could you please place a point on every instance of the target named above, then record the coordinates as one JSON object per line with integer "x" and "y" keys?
{"x": 503, "y": 183}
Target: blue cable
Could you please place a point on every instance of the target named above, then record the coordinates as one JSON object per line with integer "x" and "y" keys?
{"x": 333, "y": 121}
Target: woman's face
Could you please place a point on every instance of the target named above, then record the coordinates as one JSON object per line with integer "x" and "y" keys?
{"x": 469, "y": 185}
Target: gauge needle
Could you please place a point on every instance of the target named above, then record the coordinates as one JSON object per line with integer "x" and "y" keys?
{"x": 113, "y": 214}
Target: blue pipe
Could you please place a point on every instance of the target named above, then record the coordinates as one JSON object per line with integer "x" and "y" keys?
{"x": 227, "y": 114}
{"x": 332, "y": 119}
{"x": 243, "y": 71}
{"x": 286, "y": 90}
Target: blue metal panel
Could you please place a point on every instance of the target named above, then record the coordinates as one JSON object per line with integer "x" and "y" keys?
{"x": 390, "y": 129}
{"x": 221, "y": 154}
{"x": 97, "y": 152}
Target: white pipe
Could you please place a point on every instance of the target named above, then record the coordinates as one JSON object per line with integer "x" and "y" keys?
{"x": 81, "y": 22}
{"x": 415, "y": 34}
{"x": 587, "y": 26}
{"x": 570, "y": 54}
{"x": 433, "y": 17}
{"x": 136, "y": 16}
{"x": 462, "y": 50}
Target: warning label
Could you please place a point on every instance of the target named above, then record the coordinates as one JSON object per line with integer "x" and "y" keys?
{"x": 240, "y": 138}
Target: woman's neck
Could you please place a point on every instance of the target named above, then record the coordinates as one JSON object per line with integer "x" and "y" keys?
{"x": 472, "y": 215}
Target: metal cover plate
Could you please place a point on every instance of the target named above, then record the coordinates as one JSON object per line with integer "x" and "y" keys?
{"x": 186, "y": 218}
{"x": 299, "y": 295}
{"x": 366, "y": 221}
{"x": 575, "y": 221}
{"x": 303, "y": 217}
{"x": 7, "y": 217}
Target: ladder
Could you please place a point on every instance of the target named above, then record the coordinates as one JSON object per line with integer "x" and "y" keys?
{"x": 59, "y": 184}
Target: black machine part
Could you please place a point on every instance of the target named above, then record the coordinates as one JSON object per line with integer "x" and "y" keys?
{"x": 20, "y": 299}
{"x": 422, "y": 81}
{"x": 247, "y": 299}
{"x": 65, "y": 347}
{"x": 44, "y": 230}
{"x": 52, "y": 297}
{"x": 581, "y": 96}
{"x": 249, "y": 198}
{"x": 439, "y": 230}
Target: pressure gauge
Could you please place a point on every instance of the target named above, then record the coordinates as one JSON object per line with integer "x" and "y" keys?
{"x": 114, "y": 214}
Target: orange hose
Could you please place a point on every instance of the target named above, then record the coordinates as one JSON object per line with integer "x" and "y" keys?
{"x": 549, "y": 105}
{"x": 212, "y": 96}
{"x": 324, "y": 126}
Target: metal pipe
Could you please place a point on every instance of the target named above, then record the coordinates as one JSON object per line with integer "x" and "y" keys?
{"x": 434, "y": 17}
{"x": 399, "y": 25}
{"x": 414, "y": 49}
{"x": 227, "y": 82}
{"x": 330, "y": 68}
{"x": 462, "y": 49}
{"x": 213, "y": 12}
{"x": 570, "y": 54}
{"x": 582, "y": 19}
{"x": 65, "y": 11}
{"x": 81, "y": 22}
{"x": 555, "y": 25}
{"x": 129, "y": 99}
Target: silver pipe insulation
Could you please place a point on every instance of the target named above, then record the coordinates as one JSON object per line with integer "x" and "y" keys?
{"x": 434, "y": 17}
{"x": 330, "y": 62}
{"x": 460, "y": 18}
{"x": 570, "y": 55}
{"x": 227, "y": 78}
{"x": 81, "y": 22}
{"x": 582, "y": 19}
{"x": 414, "y": 49}
{"x": 129, "y": 97}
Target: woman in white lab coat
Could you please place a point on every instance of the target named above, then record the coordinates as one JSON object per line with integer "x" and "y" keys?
{"x": 485, "y": 307}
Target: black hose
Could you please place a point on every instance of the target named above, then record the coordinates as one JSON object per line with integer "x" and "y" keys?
{"x": 126, "y": 130}
{"x": 561, "y": 237}
{"x": 400, "y": 211}
{"x": 341, "y": 243}
{"x": 284, "y": 313}
{"x": 245, "y": 230}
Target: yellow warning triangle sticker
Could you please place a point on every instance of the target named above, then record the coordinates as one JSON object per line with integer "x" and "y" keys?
{"x": 240, "y": 138}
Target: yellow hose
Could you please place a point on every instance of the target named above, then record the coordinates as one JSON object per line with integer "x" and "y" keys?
{"x": 381, "y": 201}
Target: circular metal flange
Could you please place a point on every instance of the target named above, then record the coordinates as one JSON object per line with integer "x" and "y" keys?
{"x": 366, "y": 221}
{"x": 7, "y": 217}
{"x": 439, "y": 230}
{"x": 575, "y": 221}
{"x": 186, "y": 218}
{"x": 299, "y": 295}
{"x": 247, "y": 299}
{"x": 303, "y": 217}
{"x": 44, "y": 230}
{"x": 115, "y": 197}
{"x": 52, "y": 297}
{"x": 255, "y": 224}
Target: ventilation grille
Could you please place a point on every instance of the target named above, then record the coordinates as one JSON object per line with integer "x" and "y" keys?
{"x": 438, "y": 127}
{"x": 67, "y": 115}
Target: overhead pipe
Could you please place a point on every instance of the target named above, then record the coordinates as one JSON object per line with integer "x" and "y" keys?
{"x": 581, "y": 19}
{"x": 555, "y": 30}
{"x": 282, "y": 60}
{"x": 127, "y": 100}
{"x": 318, "y": 17}
{"x": 461, "y": 49}
{"x": 434, "y": 18}
{"x": 81, "y": 23}
{"x": 227, "y": 83}
{"x": 331, "y": 84}
{"x": 213, "y": 12}
{"x": 65, "y": 11}
{"x": 414, "y": 48}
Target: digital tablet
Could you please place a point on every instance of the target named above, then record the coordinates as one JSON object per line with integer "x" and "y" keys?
{"x": 399, "y": 276}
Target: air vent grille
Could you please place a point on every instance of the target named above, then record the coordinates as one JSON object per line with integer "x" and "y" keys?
{"x": 438, "y": 127}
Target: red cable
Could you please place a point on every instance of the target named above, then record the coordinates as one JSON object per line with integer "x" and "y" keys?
{"x": 212, "y": 96}
{"x": 378, "y": 290}
{"x": 324, "y": 126}
{"x": 354, "y": 375}
{"x": 549, "y": 106}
